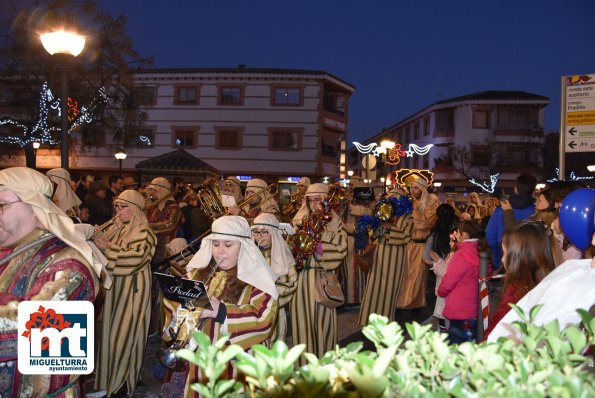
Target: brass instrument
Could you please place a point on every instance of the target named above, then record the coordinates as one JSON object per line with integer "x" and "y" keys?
{"x": 304, "y": 242}
{"x": 188, "y": 251}
{"x": 185, "y": 326}
{"x": 149, "y": 203}
{"x": 383, "y": 211}
{"x": 208, "y": 195}
{"x": 108, "y": 229}
{"x": 295, "y": 201}
{"x": 269, "y": 188}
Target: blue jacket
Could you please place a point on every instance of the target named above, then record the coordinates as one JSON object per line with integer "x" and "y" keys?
{"x": 495, "y": 230}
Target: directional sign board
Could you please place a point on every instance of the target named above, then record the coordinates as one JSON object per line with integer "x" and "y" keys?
{"x": 579, "y": 113}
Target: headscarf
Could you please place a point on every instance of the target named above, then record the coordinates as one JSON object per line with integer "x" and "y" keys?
{"x": 425, "y": 195}
{"x": 136, "y": 203}
{"x": 267, "y": 203}
{"x": 304, "y": 181}
{"x": 237, "y": 189}
{"x": 252, "y": 267}
{"x": 281, "y": 256}
{"x": 64, "y": 197}
{"x": 396, "y": 191}
{"x": 35, "y": 189}
{"x": 318, "y": 189}
{"x": 163, "y": 188}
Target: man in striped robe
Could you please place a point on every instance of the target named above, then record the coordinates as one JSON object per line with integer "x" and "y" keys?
{"x": 126, "y": 310}
{"x": 311, "y": 323}
{"x": 390, "y": 261}
{"x": 43, "y": 258}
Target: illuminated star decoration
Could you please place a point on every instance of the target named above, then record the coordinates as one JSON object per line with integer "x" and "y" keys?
{"x": 41, "y": 132}
{"x": 573, "y": 177}
{"x": 484, "y": 186}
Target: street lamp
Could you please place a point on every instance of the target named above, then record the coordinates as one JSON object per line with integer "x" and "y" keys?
{"x": 63, "y": 43}
{"x": 350, "y": 173}
{"x": 591, "y": 168}
{"x": 120, "y": 155}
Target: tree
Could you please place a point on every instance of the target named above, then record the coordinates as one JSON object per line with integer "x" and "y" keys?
{"x": 106, "y": 65}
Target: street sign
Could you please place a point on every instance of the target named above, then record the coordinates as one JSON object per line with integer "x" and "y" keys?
{"x": 578, "y": 113}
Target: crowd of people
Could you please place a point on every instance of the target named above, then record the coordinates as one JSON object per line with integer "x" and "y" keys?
{"x": 105, "y": 242}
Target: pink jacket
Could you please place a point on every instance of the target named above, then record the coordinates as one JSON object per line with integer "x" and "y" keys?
{"x": 459, "y": 284}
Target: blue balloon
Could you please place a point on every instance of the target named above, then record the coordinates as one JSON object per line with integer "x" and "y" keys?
{"x": 576, "y": 217}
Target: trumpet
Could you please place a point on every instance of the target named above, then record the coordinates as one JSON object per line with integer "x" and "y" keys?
{"x": 295, "y": 201}
{"x": 184, "y": 327}
{"x": 107, "y": 229}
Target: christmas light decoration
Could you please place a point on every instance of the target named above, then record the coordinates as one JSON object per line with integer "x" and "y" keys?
{"x": 41, "y": 132}
{"x": 484, "y": 186}
{"x": 391, "y": 154}
{"x": 403, "y": 177}
{"x": 145, "y": 140}
{"x": 573, "y": 177}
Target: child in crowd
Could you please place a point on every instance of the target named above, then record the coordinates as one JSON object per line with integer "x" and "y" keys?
{"x": 530, "y": 253}
{"x": 438, "y": 251}
{"x": 459, "y": 285}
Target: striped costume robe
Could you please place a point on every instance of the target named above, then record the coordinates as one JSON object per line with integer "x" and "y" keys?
{"x": 311, "y": 323}
{"x": 413, "y": 292}
{"x": 387, "y": 273}
{"x": 126, "y": 312}
{"x": 250, "y": 319}
{"x": 49, "y": 270}
{"x": 286, "y": 285}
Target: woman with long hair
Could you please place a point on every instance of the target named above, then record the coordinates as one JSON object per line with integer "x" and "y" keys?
{"x": 530, "y": 254}
{"x": 242, "y": 291}
{"x": 438, "y": 250}
{"x": 128, "y": 244}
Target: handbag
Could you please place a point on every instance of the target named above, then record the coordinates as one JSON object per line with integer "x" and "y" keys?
{"x": 327, "y": 289}
{"x": 364, "y": 259}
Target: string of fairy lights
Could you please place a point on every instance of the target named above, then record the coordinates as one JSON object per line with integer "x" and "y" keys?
{"x": 41, "y": 131}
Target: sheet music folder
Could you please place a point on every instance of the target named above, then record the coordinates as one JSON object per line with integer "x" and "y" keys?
{"x": 189, "y": 292}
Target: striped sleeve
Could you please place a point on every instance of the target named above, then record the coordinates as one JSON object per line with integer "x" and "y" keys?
{"x": 250, "y": 323}
{"x": 286, "y": 286}
{"x": 400, "y": 231}
{"x": 138, "y": 253}
{"x": 334, "y": 248}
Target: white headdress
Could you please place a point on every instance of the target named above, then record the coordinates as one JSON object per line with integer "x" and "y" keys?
{"x": 253, "y": 268}
{"x": 281, "y": 256}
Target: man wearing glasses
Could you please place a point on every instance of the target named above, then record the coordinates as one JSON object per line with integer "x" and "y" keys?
{"x": 42, "y": 257}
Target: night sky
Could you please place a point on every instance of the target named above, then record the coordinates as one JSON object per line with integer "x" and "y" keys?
{"x": 400, "y": 55}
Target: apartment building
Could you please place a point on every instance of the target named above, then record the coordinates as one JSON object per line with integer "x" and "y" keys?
{"x": 258, "y": 122}
{"x": 501, "y": 131}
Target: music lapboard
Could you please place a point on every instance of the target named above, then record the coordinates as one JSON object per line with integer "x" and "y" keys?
{"x": 184, "y": 290}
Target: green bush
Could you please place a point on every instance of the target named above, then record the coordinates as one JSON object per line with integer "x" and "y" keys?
{"x": 539, "y": 361}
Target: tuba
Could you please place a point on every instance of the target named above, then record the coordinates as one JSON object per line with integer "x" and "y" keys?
{"x": 208, "y": 195}
{"x": 185, "y": 326}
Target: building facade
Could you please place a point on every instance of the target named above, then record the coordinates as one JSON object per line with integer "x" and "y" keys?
{"x": 493, "y": 131}
{"x": 241, "y": 121}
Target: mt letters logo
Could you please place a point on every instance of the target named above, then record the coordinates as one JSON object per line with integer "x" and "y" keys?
{"x": 56, "y": 337}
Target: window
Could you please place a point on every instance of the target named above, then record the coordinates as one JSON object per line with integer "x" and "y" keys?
{"x": 480, "y": 156}
{"x": 481, "y": 119}
{"x": 231, "y": 96}
{"x": 184, "y": 138}
{"x": 145, "y": 95}
{"x": 285, "y": 140}
{"x": 416, "y": 131}
{"x": 334, "y": 103}
{"x": 228, "y": 138}
{"x": 186, "y": 95}
{"x": 427, "y": 126}
{"x": 287, "y": 96}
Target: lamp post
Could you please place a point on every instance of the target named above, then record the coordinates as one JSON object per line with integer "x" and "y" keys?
{"x": 120, "y": 155}
{"x": 67, "y": 44}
